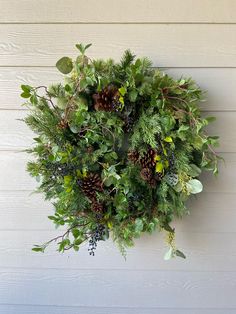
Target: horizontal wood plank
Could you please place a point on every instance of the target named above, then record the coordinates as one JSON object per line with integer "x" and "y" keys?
{"x": 15, "y": 134}
{"x": 183, "y": 37}
{"x": 16, "y": 205}
{"x": 13, "y": 169}
{"x": 204, "y": 251}
{"x": 32, "y": 309}
{"x": 126, "y": 288}
{"x": 166, "y": 45}
{"x": 218, "y": 82}
{"x": 15, "y": 178}
{"x": 123, "y": 11}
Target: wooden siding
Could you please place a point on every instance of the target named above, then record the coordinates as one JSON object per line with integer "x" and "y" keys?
{"x": 183, "y": 37}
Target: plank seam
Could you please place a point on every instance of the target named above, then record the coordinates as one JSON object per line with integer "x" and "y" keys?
{"x": 117, "y": 23}
{"x": 120, "y": 270}
{"x": 121, "y": 307}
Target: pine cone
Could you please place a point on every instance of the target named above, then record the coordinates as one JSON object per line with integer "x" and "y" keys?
{"x": 97, "y": 207}
{"x": 148, "y": 160}
{"x": 91, "y": 184}
{"x": 146, "y": 174}
{"x": 133, "y": 156}
{"x": 107, "y": 99}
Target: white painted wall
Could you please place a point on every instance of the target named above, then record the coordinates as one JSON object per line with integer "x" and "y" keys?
{"x": 196, "y": 38}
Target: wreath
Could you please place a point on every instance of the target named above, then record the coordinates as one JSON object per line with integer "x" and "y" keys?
{"x": 118, "y": 151}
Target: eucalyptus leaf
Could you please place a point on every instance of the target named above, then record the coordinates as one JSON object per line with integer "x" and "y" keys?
{"x": 194, "y": 186}
{"x": 138, "y": 225}
{"x": 65, "y": 65}
{"x": 194, "y": 171}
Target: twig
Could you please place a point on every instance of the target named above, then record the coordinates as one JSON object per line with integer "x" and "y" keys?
{"x": 192, "y": 119}
{"x": 48, "y": 99}
{"x": 177, "y": 98}
{"x": 64, "y": 234}
{"x": 212, "y": 150}
{"x": 113, "y": 136}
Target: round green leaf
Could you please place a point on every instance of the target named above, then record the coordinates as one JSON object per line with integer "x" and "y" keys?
{"x": 194, "y": 186}
{"x": 64, "y": 65}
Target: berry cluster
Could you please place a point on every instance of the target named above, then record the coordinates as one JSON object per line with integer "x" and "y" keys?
{"x": 98, "y": 235}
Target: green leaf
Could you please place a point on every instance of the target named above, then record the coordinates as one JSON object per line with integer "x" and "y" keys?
{"x": 109, "y": 181}
{"x": 183, "y": 131}
{"x": 168, "y": 139}
{"x": 67, "y": 180}
{"x": 133, "y": 94}
{"x": 34, "y": 99}
{"x": 25, "y": 95}
{"x": 65, "y": 65}
{"x": 168, "y": 228}
{"x": 168, "y": 123}
{"x": 63, "y": 244}
{"x": 138, "y": 225}
{"x": 194, "y": 171}
{"x": 82, "y": 48}
{"x": 210, "y": 119}
{"x": 122, "y": 91}
{"x": 83, "y": 83}
{"x": 179, "y": 253}
{"x": 182, "y": 82}
{"x": 89, "y": 81}
{"x": 194, "y": 186}
{"x": 68, "y": 88}
{"x": 76, "y": 233}
{"x": 159, "y": 166}
{"x": 38, "y": 249}
{"x": 26, "y": 88}
{"x": 87, "y": 46}
{"x": 74, "y": 128}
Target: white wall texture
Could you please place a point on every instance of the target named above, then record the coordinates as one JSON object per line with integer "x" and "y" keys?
{"x": 190, "y": 37}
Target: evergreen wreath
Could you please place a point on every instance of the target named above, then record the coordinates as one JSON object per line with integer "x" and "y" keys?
{"x": 118, "y": 151}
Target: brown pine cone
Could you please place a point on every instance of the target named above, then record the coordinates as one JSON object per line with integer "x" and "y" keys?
{"x": 133, "y": 156}
{"x": 146, "y": 174}
{"x": 91, "y": 184}
{"x": 107, "y": 99}
{"x": 97, "y": 207}
{"x": 148, "y": 160}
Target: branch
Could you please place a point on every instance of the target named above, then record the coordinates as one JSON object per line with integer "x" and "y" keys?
{"x": 61, "y": 237}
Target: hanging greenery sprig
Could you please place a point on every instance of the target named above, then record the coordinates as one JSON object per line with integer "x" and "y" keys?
{"x": 119, "y": 149}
